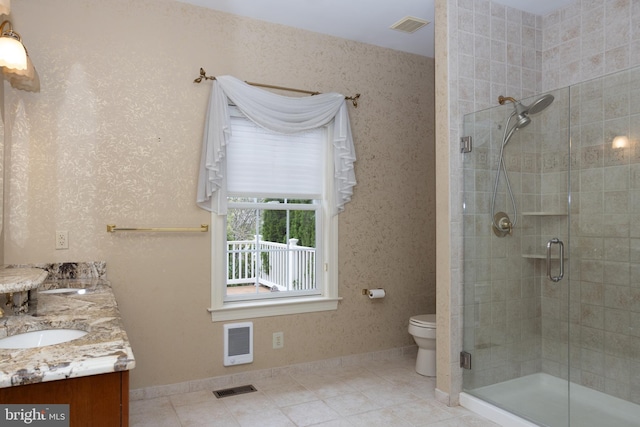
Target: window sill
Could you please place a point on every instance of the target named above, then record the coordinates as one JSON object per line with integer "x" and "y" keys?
{"x": 280, "y": 307}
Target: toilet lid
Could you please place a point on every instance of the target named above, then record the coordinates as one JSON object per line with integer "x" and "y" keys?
{"x": 424, "y": 320}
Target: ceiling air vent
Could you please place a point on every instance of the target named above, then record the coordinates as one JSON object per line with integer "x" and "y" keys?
{"x": 409, "y": 24}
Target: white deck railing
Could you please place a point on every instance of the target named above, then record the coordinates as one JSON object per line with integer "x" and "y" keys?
{"x": 277, "y": 266}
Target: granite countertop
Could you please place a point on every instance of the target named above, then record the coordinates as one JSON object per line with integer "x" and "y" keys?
{"x": 20, "y": 279}
{"x": 86, "y": 304}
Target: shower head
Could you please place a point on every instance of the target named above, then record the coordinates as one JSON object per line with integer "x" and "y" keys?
{"x": 523, "y": 120}
{"x": 523, "y": 112}
{"x": 540, "y": 104}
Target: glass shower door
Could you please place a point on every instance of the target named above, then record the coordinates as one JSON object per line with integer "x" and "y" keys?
{"x": 516, "y": 274}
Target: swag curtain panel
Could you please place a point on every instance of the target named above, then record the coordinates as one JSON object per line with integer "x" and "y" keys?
{"x": 277, "y": 113}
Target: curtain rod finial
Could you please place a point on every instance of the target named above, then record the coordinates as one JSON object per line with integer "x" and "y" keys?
{"x": 203, "y": 75}
{"x": 353, "y": 99}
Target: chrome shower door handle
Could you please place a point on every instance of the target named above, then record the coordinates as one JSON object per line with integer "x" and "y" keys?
{"x": 551, "y": 242}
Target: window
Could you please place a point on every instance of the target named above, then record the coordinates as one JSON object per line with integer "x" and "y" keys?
{"x": 302, "y": 169}
{"x": 271, "y": 248}
{"x": 274, "y": 250}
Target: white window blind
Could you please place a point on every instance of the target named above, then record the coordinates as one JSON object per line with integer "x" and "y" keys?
{"x": 263, "y": 163}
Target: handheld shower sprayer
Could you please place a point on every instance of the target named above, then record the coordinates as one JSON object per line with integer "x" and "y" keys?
{"x": 520, "y": 111}
{"x": 501, "y": 223}
{"x": 523, "y": 112}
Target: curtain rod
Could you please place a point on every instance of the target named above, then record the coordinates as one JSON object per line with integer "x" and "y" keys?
{"x": 203, "y": 76}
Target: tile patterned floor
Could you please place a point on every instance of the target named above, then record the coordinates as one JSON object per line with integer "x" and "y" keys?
{"x": 380, "y": 394}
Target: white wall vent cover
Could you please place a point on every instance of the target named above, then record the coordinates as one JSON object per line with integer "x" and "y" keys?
{"x": 238, "y": 343}
{"x": 409, "y": 24}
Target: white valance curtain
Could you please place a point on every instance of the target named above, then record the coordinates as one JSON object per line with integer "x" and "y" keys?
{"x": 277, "y": 113}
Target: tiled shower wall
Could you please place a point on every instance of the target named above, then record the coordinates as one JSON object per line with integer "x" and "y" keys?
{"x": 499, "y": 53}
{"x": 492, "y": 50}
{"x": 605, "y": 228}
{"x": 502, "y": 302}
{"x": 517, "y": 321}
{"x": 589, "y": 39}
{"x": 598, "y": 309}
{"x": 505, "y": 283}
{"x": 585, "y": 40}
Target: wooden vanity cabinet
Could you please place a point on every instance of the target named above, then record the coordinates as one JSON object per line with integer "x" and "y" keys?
{"x": 94, "y": 401}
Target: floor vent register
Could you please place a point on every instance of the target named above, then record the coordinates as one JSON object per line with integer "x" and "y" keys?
{"x": 234, "y": 391}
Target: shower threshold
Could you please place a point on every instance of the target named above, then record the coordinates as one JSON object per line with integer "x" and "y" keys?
{"x": 543, "y": 398}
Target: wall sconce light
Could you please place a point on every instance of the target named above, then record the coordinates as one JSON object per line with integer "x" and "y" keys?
{"x": 13, "y": 55}
{"x": 24, "y": 80}
{"x": 15, "y": 62}
{"x": 620, "y": 141}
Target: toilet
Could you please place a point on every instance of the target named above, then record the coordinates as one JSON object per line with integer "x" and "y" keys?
{"x": 423, "y": 329}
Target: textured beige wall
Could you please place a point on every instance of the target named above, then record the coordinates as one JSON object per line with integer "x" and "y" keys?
{"x": 114, "y": 137}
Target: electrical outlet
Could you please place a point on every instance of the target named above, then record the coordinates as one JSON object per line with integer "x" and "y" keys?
{"x": 62, "y": 240}
{"x": 278, "y": 340}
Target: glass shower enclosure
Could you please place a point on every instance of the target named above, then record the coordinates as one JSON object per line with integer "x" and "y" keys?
{"x": 551, "y": 265}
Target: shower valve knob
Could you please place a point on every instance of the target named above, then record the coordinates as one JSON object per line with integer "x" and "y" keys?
{"x": 505, "y": 225}
{"x": 502, "y": 225}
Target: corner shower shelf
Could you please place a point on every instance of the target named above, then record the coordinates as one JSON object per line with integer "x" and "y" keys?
{"x": 549, "y": 213}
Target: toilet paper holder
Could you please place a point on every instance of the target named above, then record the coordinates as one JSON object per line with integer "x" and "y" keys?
{"x": 366, "y": 291}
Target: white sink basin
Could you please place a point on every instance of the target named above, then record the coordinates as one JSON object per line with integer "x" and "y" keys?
{"x": 41, "y": 338}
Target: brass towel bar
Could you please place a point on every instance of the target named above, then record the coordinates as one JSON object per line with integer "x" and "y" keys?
{"x": 111, "y": 228}
{"x": 203, "y": 76}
